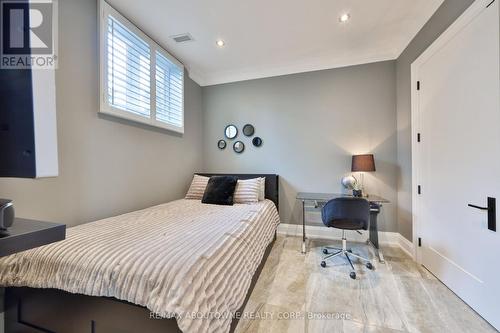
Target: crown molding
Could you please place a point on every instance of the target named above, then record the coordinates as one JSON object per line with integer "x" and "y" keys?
{"x": 196, "y": 75}
{"x": 310, "y": 65}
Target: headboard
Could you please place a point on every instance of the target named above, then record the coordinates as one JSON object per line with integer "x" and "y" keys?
{"x": 272, "y": 192}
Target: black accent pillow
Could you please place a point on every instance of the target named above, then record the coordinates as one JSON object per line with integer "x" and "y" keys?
{"x": 220, "y": 190}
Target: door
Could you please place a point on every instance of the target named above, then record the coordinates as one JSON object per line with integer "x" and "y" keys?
{"x": 457, "y": 161}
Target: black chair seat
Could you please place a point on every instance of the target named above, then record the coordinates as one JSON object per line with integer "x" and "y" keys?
{"x": 350, "y": 224}
{"x": 346, "y": 213}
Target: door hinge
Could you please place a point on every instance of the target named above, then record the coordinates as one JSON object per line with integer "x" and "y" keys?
{"x": 419, "y": 189}
{"x": 419, "y": 242}
{"x": 418, "y": 137}
{"x": 418, "y": 85}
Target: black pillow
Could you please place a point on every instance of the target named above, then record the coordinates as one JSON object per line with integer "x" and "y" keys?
{"x": 220, "y": 190}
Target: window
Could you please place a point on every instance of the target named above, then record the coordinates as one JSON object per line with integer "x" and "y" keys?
{"x": 140, "y": 81}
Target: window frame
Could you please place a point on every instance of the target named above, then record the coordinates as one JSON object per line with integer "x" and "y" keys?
{"x": 105, "y": 108}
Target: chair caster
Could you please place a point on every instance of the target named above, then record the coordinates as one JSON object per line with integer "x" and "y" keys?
{"x": 323, "y": 264}
{"x": 325, "y": 251}
{"x": 350, "y": 251}
{"x": 369, "y": 266}
{"x": 353, "y": 275}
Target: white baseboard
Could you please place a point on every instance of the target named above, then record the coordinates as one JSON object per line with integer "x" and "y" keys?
{"x": 321, "y": 232}
{"x": 406, "y": 246}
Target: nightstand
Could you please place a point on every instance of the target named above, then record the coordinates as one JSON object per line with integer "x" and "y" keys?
{"x": 27, "y": 234}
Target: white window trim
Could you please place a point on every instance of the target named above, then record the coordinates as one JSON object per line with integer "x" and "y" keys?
{"x": 104, "y": 10}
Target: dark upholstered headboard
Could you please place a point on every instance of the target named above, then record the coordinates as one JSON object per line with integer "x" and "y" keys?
{"x": 272, "y": 192}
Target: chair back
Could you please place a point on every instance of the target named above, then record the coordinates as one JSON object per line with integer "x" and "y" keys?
{"x": 346, "y": 213}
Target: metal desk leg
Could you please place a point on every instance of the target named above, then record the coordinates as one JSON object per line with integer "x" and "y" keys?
{"x": 303, "y": 227}
{"x": 378, "y": 253}
{"x": 380, "y": 256}
{"x": 373, "y": 239}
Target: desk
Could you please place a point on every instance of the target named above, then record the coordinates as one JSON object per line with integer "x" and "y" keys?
{"x": 320, "y": 199}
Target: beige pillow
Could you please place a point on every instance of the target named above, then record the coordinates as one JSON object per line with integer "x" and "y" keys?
{"x": 247, "y": 191}
{"x": 262, "y": 192}
{"x": 197, "y": 188}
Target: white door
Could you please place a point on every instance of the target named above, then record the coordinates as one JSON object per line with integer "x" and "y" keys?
{"x": 457, "y": 162}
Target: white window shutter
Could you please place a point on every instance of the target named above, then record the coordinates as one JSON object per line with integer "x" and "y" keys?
{"x": 140, "y": 81}
{"x": 169, "y": 91}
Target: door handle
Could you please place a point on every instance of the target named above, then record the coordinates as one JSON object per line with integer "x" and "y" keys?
{"x": 477, "y": 207}
{"x": 492, "y": 213}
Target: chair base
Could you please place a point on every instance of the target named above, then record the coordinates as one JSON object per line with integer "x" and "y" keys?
{"x": 344, "y": 251}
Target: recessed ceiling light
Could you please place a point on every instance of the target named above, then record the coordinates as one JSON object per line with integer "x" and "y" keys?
{"x": 220, "y": 43}
{"x": 344, "y": 18}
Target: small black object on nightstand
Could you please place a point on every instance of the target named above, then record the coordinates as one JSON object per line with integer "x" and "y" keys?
{"x": 6, "y": 216}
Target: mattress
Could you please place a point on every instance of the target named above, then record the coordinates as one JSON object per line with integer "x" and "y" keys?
{"x": 182, "y": 259}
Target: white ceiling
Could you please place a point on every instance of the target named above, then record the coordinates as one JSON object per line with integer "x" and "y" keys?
{"x": 276, "y": 37}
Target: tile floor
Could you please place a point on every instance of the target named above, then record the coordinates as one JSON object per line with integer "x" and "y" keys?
{"x": 295, "y": 294}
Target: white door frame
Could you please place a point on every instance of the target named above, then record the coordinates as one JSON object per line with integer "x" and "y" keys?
{"x": 475, "y": 9}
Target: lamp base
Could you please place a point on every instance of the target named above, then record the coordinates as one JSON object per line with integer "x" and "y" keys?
{"x": 357, "y": 193}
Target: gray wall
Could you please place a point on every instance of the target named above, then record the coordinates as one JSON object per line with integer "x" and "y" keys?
{"x": 449, "y": 11}
{"x": 311, "y": 124}
{"x": 107, "y": 167}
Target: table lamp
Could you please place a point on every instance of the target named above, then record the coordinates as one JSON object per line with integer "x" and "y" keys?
{"x": 361, "y": 164}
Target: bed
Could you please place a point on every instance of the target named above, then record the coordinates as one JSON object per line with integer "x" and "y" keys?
{"x": 180, "y": 266}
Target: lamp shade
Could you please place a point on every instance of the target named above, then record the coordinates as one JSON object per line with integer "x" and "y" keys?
{"x": 363, "y": 163}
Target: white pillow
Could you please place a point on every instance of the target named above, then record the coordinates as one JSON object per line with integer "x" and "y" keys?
{"x": 197, "y": 188}
{"x": 247, "y": 191}
{"x": 262, "y": 192}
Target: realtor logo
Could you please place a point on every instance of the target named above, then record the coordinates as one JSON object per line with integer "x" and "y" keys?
{"x": 29, "y": 34}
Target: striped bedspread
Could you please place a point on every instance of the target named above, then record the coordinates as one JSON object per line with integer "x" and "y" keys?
{"x": 184, "y": 259}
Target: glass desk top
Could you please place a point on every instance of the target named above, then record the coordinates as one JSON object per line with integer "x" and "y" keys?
{"x": 308, "y": 196}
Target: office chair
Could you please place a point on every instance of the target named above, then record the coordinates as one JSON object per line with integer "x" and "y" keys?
{"x": 346, "y": 214}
